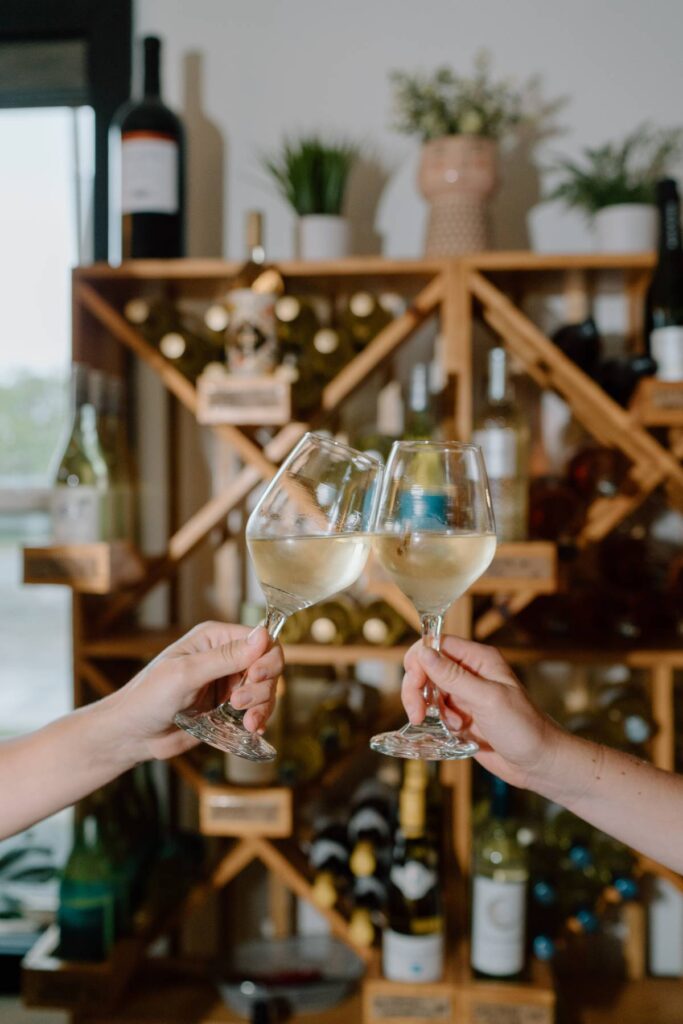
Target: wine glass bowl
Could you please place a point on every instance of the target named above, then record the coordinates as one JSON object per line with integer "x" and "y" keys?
{"x": 308, "y": 537}
{"x": 434, "y": 534}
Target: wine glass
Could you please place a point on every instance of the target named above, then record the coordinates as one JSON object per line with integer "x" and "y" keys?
{"x": 308, "y": 537}
{"x": 435, "y": 535}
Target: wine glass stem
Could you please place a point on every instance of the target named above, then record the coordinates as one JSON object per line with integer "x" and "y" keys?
{"x": 431, "y": 637}
{"x": 274, "y": 621}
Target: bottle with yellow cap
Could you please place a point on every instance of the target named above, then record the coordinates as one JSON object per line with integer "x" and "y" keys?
{"x": 369, "y": 897}
{"x": 370, "y": 827}
{"x": 413, "y": 942}
{"x": 329, "y": 858}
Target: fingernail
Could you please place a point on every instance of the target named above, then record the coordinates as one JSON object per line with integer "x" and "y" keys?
{"x": 260, "y": 730}
{"x": 253, "y": 637}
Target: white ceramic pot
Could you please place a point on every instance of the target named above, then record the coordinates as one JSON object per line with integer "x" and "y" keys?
{"x": 323, "y": 237}
{"x": 626, "y": 227}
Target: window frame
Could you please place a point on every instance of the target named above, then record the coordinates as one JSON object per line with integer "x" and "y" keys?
{"x": 106, "y": 28}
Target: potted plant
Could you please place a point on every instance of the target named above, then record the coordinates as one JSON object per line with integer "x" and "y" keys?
{"x": 614, "y": 186}
{"x": 460, "y": 121}
{"x": 312, "y": 175}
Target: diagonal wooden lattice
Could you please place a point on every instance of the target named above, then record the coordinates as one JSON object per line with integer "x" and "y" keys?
{"x": 260, "y": 463}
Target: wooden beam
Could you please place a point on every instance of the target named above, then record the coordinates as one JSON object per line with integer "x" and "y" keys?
{"x": 238, "y": 857}
{"x": 382, "y": 345}
{"x": 289, "y": 868}
{"x": 662, "y": 696}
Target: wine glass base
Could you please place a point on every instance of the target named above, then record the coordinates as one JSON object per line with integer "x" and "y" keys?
{"x": 430, "y": 741}
{"x": 219, "y": 730}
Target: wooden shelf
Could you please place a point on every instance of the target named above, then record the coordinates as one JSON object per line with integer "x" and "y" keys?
{"x": 98, "y": 568}
{"x": 658, "y": 403}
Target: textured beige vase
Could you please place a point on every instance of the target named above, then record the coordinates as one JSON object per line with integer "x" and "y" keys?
{"x": 457, "y": 177}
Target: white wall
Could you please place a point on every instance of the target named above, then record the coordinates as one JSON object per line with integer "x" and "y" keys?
{"x": 270, "y": 66}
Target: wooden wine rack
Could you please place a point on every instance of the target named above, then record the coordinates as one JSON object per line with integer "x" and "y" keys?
{"x": 458, "y": 291}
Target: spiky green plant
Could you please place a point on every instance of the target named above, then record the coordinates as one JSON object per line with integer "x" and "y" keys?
{"x": 312, "y": 174}
{"x": 618, "y": 172}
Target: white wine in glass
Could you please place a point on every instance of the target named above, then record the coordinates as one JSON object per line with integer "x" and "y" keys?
{"x": 309, "y": 537}
{"x": 435, "y": 535}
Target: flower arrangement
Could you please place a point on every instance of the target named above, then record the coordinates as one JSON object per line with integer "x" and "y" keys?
{"x": 450, "y": 104}
{"x": 312, "y": 174}
{"x": 618, "y": 172}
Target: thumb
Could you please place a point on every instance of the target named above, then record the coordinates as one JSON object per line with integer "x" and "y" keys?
{"x": 234, "y": 656}
{"x": 454, "y": 679}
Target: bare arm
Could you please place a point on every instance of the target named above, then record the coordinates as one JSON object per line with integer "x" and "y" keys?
{"x": 630, "y": 799}
{"x": 49, "y": 769}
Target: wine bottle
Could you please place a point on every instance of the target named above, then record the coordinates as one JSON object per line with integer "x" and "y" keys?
{"x": 628, "y": 713}
{"x": 300, "y": 759}
{"x": 502, "y": 432}
{"x": 378, "y": 439}
{"x": 330, "y": 350}
{"x": 296, "y": 627}
{"x": 334, "y": 725}
{"x": 382, "y": 624}
{"x": 369, "y": 898}
{"x": 328, "y": 856}
{"x": 363, "y": 318}
{"x": 420, "y": 422}
{"x": 147, "y": 173}
{"x": 597, "y": 471}
{"x": 413, "y": 942}
{"x": 581, "y": 342}
{"x": 297, "y": 324}
{"x": 117, "y": 455}
{"x": 501, "y": 875}
{"x": 250, "y": 301}
{"x": 87, "y": 897}
{"x": 80, "y": 494}
{"x": 664, "y": 302}
{"x": 334, "y": 622}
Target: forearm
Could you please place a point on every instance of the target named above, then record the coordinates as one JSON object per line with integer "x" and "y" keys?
{"x": 54, "y": 767}
{"x": 629, "y": 799}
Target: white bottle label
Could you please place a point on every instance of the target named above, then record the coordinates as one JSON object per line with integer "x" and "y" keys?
{"x": 367, "y": 819}
{"x": 412, "y": 957}
{"x": 499, "y": 448}
{"x": 498, "y": 926}
{"x": 666, "y": 345}
{"x": 149, "y": 173}
{"x": 76, "y": 515}
{"x": 413, "y": 879}
{"x": 325, "y": 850}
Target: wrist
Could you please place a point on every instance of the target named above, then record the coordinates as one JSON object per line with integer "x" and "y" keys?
{"x": 112, "y": 744}
{"x": 569, "y": 770}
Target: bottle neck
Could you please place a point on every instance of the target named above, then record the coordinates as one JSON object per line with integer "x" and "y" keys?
{"x": 669, "y": 227}
{"x": 152, "y": 81}
{"x": 499, "y": 387}
{"x": 500, "y": 800}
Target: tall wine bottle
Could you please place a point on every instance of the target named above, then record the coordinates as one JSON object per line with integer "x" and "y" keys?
{"x": 664, "y": 304}
{"x": 79, "y": 500}
{"x": 413, "y": 942}
{"x": 502, "y": 431}
{"x": 500, "y": 881}
{"x": 147, "y": 173}
{"x": 87, "y": 897}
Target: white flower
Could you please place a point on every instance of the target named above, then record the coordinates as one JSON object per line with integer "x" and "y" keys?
{"x": 471, "y": 123}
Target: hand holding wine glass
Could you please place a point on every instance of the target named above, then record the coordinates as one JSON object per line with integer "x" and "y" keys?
{"x": 435, "y": 535}
{"x": 308, "y": 537}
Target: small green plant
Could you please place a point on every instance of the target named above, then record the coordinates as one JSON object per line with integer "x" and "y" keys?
{"x": 618, "y": 172}
{"x": 447, "y": 103}
{"x": 312, "y": 174}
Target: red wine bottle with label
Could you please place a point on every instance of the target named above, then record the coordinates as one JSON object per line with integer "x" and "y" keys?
{"x": 147, "y": 173}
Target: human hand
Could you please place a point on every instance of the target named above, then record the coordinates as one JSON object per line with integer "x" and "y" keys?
{"x": 200, "y": 670}
{"x": 481, "y": 697}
